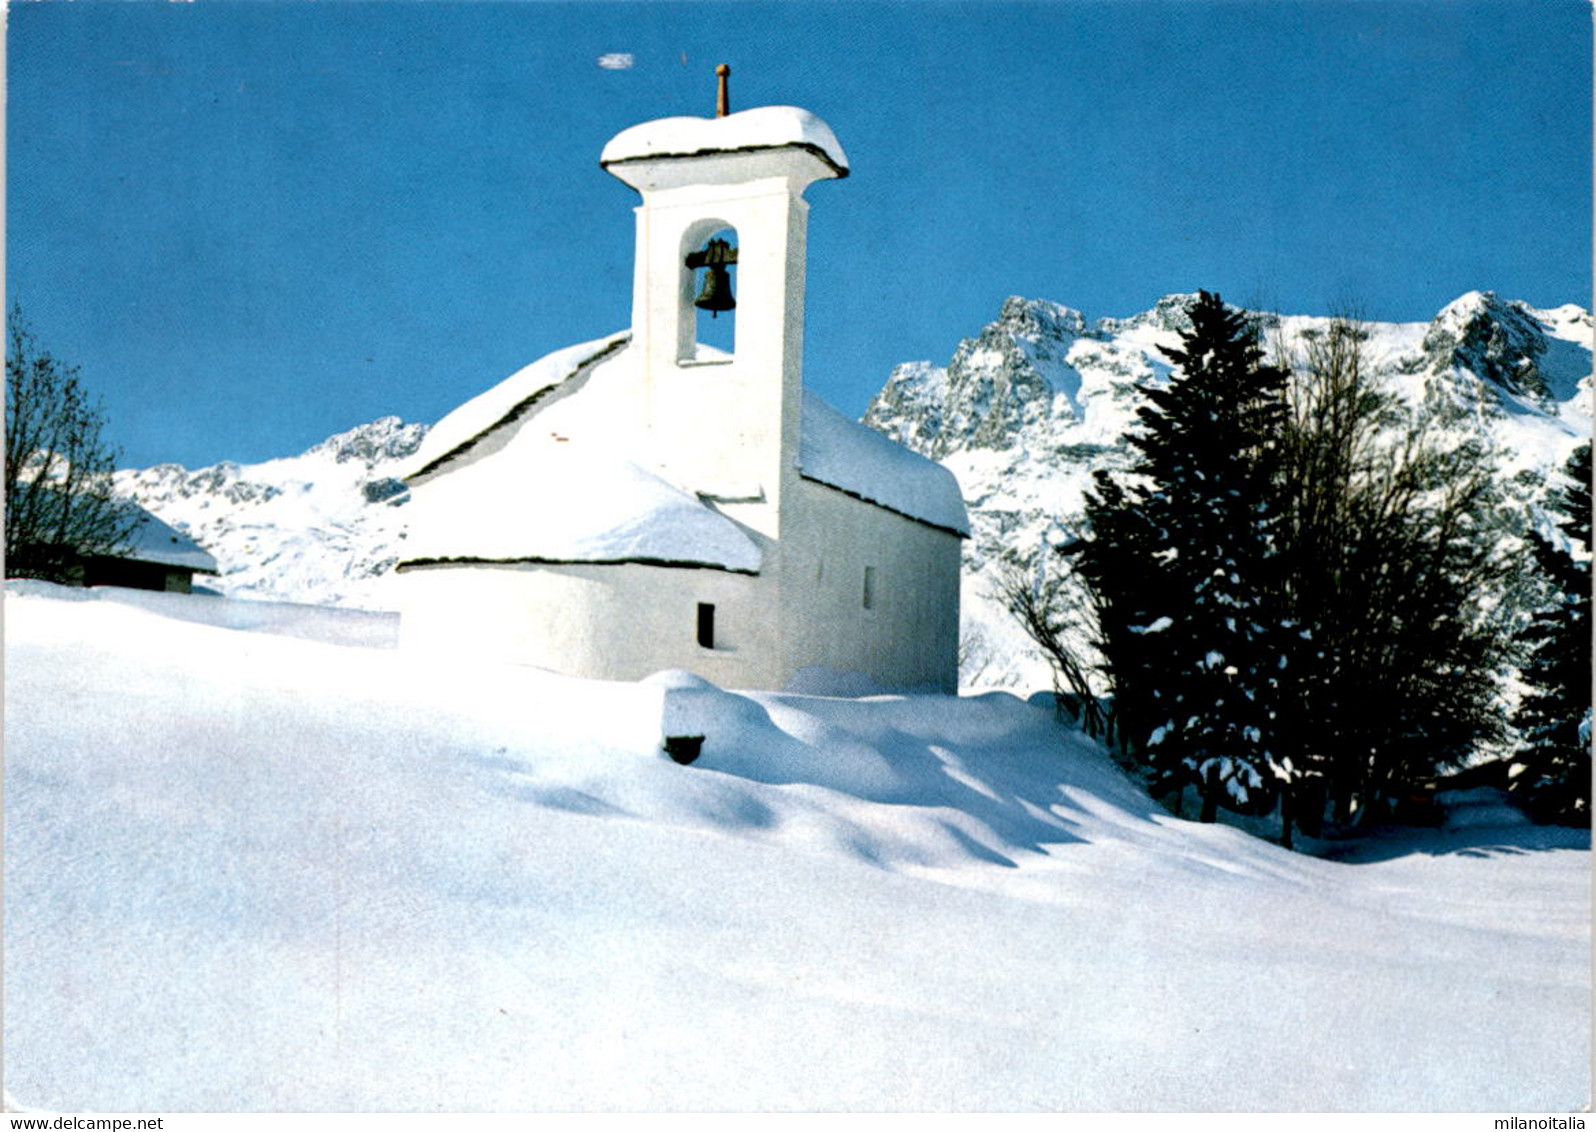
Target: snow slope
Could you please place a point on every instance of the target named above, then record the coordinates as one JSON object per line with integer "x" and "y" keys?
{"x": 247, "y": 870}
{"x": 323, "y": 527}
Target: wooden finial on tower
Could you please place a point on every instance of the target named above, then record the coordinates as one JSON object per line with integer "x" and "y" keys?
{"x": 722, "y": 98}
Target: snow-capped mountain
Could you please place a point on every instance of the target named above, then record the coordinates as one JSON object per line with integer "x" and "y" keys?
{"x": 1028, "y": 409}
{"x": 1023, "y": 414}
{"x": 322, "y": 527}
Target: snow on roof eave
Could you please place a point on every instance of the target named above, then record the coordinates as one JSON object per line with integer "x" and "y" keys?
{"x": 196, "y": 560}
{"x": 960, "y": 532}
{"x": 837, "y": 171}
{"x": 210, "y": 568}
{"x": 613, "y": 511}
{"x": 601, "y": 350}
{"x": 663, "y": 563}
{"x": 185, "y": 555}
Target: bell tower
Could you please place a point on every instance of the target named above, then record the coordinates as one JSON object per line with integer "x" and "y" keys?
{"x": 722, "y": 192}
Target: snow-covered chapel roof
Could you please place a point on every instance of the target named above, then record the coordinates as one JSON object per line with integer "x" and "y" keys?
{"x": 852, "y": 458}
{"x": 764, "y": 127}
{"x": 487, "y": 412}
{"x": 564, "y": 502}
{"x": 567, "y": 494}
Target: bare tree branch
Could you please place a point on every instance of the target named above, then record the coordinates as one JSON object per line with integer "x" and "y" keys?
{"x": 59, "y": 506}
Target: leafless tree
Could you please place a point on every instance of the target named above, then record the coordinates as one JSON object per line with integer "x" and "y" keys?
{"x": 1048, "y": 608}
{"x": 58, "y": 500}
{"x": 1393, "y": 572}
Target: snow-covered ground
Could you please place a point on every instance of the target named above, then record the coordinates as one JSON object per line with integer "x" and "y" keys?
{"x": 248, "y": 870}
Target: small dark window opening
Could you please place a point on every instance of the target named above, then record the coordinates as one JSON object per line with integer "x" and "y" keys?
{"x": 706, "y": 625}
{"x": 870, "y": 587}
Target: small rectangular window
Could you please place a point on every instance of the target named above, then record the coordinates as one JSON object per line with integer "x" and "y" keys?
{"x": 706, "y": 625}
{"x": 870, "y": 587}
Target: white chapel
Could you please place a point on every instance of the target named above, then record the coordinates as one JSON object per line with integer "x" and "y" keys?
{"x": 647, "y": 502}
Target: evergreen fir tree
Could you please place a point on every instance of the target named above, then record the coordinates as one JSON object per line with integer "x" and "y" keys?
{"x": 1124, "y": 576}
{"x": 1181, "y": 558}
{"x": 1299, "y": 586}
{"x": 1554, "y": 719}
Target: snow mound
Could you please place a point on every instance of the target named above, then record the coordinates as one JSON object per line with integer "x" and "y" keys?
{"x": 325, "y": 623}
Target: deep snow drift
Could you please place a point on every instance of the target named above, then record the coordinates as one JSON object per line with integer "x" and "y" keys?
{"x": 249, "y": 870}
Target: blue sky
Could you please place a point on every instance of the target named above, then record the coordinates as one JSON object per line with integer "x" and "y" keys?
{"x": 256, "y": 224}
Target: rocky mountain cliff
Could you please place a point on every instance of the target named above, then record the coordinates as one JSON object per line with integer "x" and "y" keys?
{"x": 1026, "y": 411}
{"x": 1023, "y": 413}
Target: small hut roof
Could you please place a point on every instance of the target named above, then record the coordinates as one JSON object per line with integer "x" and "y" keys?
{"x": 155, "y": 541}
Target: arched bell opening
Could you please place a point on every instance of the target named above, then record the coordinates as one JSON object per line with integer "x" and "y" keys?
{"x": 710, "y": 293}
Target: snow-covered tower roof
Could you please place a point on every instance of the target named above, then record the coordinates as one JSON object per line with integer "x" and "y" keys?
{"x": 749, "y": 131}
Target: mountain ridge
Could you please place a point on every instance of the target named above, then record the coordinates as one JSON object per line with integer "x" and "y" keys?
{"x": 1027, "y": 410}
{"x": 322, "y": 527}
{"x": 1023, "y": 413}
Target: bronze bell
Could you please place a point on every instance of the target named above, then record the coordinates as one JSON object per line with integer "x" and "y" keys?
{"x": 716, "y": 294}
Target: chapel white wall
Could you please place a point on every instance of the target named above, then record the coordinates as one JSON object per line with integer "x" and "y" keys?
{"x": 909, "y": 639}
{"x": 804, "y": 610}
{"x": 605, "y": 622}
